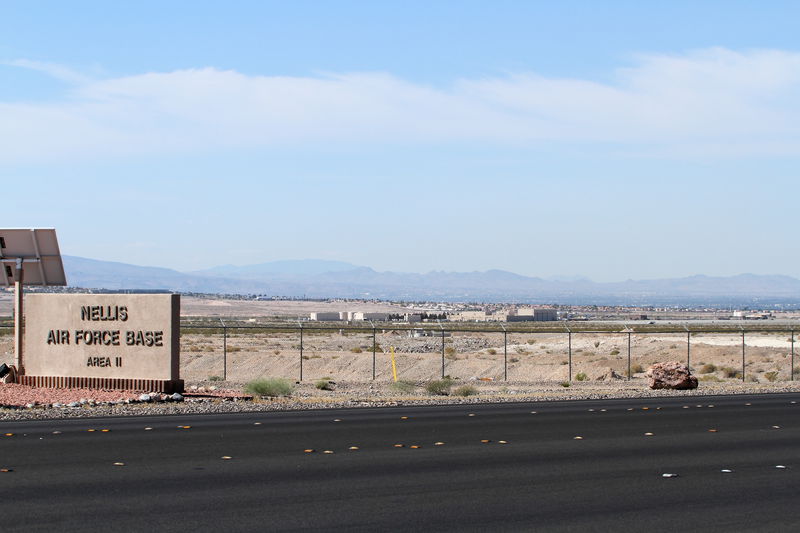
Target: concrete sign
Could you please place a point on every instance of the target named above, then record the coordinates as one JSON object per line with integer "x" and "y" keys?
{"x": 129, "y": 341}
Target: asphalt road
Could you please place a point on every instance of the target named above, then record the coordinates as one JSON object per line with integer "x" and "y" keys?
{"x": 541, "y": 478}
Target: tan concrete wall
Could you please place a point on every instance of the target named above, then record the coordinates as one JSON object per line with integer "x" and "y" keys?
{"x": 139, "y": 335}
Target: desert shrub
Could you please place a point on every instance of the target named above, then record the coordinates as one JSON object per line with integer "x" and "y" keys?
{"x": 565, "y": 384}
{"x": 491, "y": 351}
{"x": 514, "y": 360}
{"x": 596, "y": 344}
{"x": 403, "y": 385}
{"x": 709, "y": 377}
{"x": 614, "y": 352}
{"x": 531, "y": 341}
{"x": 439, "y": 387}
{"x": 771, "y": 376}
{"x": 270, "y": 387}
{"x": 637, "y": 368}
{"x": 673, "y": 346}
{"x": 277, "y": 352}
{"x": 324, "y": 384}
{"x": 234, "y": 349}
{"x": 466, "y": 390}
{"x": 214, "y": 378}
{"x": 564, "y": 362}
{"x": 708, "y": 368}
{"x": 520, "y": 350}
{"x": 356, "y": 349}
{"x": 729, "y": 372}
{"x": 581, "y": 376}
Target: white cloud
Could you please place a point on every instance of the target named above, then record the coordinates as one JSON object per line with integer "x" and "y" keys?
{"x": 730, "y": 103}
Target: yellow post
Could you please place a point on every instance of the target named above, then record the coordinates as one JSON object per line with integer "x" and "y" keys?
{"x": 394, "y": 365}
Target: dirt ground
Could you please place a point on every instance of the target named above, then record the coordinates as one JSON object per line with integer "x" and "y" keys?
{"x": 531, "y": 357}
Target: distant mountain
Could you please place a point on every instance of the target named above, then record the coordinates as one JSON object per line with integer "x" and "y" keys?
{"x": 335, "y": 279}
{"x": 286, "y": 268}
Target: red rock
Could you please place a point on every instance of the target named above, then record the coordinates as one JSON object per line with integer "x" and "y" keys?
{"x": 671, "y": 375}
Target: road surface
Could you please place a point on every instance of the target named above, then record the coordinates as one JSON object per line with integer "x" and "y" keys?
{"x": 250, "y": 472}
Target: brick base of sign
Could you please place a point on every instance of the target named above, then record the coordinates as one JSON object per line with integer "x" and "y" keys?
{"x": 144, "y": 385}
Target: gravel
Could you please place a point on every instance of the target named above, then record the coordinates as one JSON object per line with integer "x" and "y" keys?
{"x": 18, "y": 402}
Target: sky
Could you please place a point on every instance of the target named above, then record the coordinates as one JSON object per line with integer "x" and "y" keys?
{"x": 608, "y": 139}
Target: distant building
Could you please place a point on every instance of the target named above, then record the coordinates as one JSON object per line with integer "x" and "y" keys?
{"x": 325, "y": 317}
{"x": 534, "y": 315}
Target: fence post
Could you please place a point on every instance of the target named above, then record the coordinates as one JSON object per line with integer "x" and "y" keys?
{"x": 301, "y": 352}
{"x": 224, "y": 350}
{"x": 792, "y": 369}
{"x": 743, "y": 355}
{"x": 629, "y": 356}
{"x": 505, "y": 356}
{"x": 373, "y": 352}
{"x": 689, "y": 350}
{"x": 442, "y": 351}
{"x": 569, "y": 351}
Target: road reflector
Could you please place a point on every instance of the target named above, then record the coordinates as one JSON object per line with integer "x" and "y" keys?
{"x": 56, "y": 433}
{"x": 415, "y": 446}
{"x": 669, "y": 475}
{"x": 337, "y": 419}
{"x": 471, "y": 414}
{"x": 119, "y": 464}
{"x": 256, "y": 423}
{"x": 748, "y": 404}
{"x": 648, "y": 434}
{"x": 9, "y": 434}
{"x": 502, "y": 442}
{"x": 308, "y": 450}
{"x": 533, "y": 412}
{"x": 577, "y": 438}
{"x": 712, "y": 430}
{"x": 399, "y": 445}
{"x": 726, "y": 471}
{"x": 645, "y": 408}
{"x": 148, "y": 429}
{"x": 185, "y": 427}
{"x": 104, "y": 430}
{"x": 403, "y": 418}
{"x": 5, "y": 470}
{"x": 485, "y": 441}
{"x": 440, "y": 443}
{"x": 630, "y": 408}
{"x": 780, "y": 467}
{"x": 328, "y": 451}
{"x": 776, "y": 427}
{"x": 353, "y": 448}
{"x": 91, "y": 430}
{"x": 226, "y": 457}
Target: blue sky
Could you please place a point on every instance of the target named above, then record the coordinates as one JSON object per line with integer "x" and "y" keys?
{"x": 613, "y": 140}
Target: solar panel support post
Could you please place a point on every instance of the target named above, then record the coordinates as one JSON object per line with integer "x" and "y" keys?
{"x": 18, "y": 314}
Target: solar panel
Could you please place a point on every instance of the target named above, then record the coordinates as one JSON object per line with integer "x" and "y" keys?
{"x": 41, "y": 257}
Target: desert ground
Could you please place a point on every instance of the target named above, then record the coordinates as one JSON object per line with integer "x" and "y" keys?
{"x": 541, "y": 357}
{"x": 480, "y": 356}
{"x": 532, "y": 357}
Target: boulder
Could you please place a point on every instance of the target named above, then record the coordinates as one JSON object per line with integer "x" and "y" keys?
{"x": 671, "y": 375}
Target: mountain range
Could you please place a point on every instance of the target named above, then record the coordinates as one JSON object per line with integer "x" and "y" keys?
{"x": 313, "y": 278}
